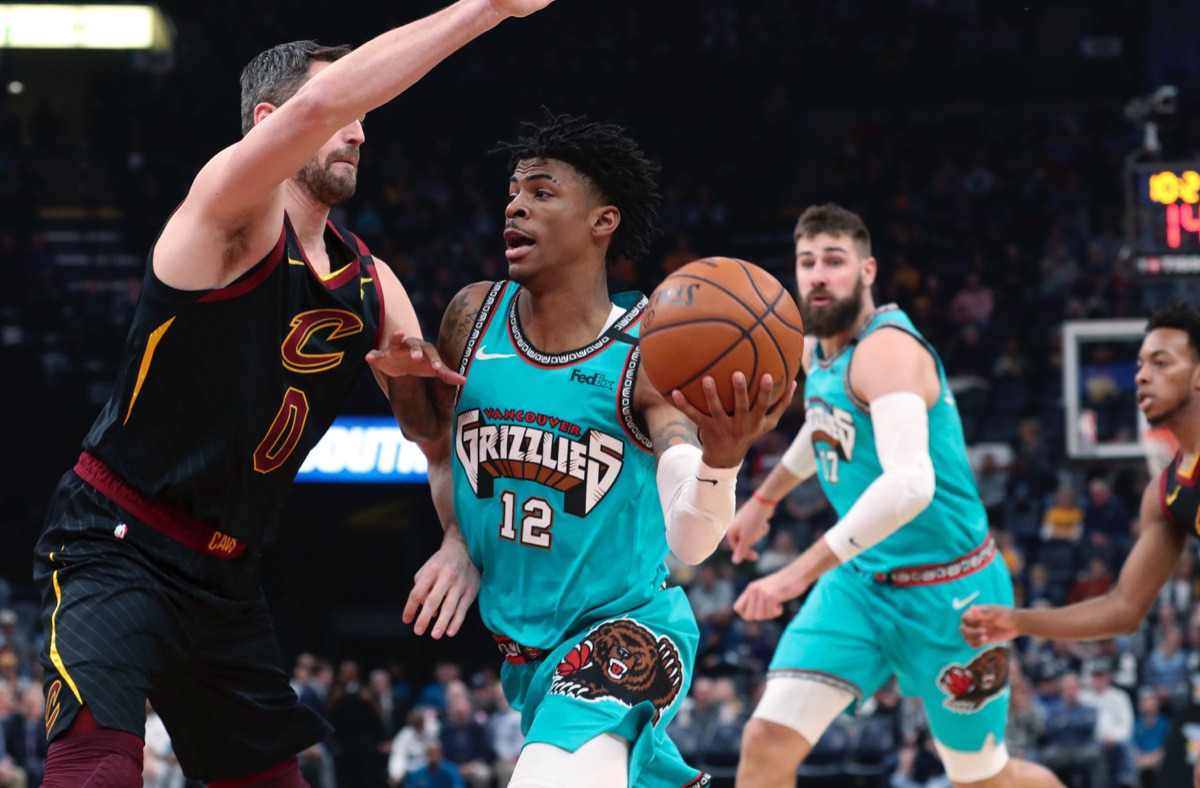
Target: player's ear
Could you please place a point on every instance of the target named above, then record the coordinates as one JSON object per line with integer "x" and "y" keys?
{"x": 870, "y": 269}
{"x": 605, "y": 221}
{"x": 262, "y": 111}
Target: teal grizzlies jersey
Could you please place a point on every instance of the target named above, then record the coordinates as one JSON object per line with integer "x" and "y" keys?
{"x": 554, "y": 481}
{"x": 847, "y": 461}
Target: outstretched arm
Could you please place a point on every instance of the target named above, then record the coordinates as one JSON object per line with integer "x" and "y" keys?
{"x": 1118, "y": 612}
{"x": 417, "y": 382}
{"x": 446, "y": 585}
{"x": 235, "y": 205}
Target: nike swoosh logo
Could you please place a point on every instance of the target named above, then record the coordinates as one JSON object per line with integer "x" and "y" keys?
{"x": 713, "y": 482}
{"x": 959, "y": 604}
{"x": 853, "y": 542}
{"x": 1175, "y": 494}
{"x": 482, "y": 355}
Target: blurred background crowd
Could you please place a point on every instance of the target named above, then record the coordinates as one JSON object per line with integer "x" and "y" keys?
{"x": 982, "y": 142}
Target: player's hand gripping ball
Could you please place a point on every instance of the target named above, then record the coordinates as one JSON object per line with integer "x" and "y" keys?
{"x": 717, "y": 316}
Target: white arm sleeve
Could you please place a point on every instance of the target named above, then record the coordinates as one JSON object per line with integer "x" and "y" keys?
{"x": 800, "y": 460}
{"x": 906, "y": 486}
{"x": 697, "y": 502}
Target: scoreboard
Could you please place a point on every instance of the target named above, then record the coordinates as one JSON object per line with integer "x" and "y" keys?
{"x": 1163, "y": 217}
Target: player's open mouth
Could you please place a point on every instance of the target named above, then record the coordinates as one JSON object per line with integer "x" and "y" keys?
{"x": 617, "y": 668}
{"x": 824, "y": 299}
{"x": 1144, "y": 401}
{"x": 519, "y": 244}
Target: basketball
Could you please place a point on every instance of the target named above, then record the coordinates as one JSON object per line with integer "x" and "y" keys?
{"x": 718, "y": 316}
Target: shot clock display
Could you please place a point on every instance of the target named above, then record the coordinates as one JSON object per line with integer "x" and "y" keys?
{"x": 1163, "y": 214}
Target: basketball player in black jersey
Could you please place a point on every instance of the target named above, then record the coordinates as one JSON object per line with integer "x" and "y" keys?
{"x": 1168, "y": 393}
{"x": 254, "y": 320}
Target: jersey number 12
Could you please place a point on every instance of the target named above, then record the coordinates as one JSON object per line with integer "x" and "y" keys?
{"x": 536, "y": 520}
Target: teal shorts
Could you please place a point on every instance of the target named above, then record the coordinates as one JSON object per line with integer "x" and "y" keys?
{"x": 625, "y": 676}
{"x": 854, "y": 633}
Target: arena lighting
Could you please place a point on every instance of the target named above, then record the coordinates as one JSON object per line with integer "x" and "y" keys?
{"x": 26, "y": 26}
{"x": 364, "y": 450}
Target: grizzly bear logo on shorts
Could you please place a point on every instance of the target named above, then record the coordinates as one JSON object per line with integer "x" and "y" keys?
{"x": 624, "y": 661}
{"x": 972, "y": 686}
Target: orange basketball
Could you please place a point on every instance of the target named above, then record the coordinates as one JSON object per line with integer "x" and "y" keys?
{"x": 715, "y": 317}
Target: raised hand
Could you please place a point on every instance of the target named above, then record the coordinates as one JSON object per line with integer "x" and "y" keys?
{"x": 983, "y": 624}
{"x": 518, "y": 8}
{"x": 444, "y": 586}
{"x": 726, "y": 438}
{"x": 412, "y": 356}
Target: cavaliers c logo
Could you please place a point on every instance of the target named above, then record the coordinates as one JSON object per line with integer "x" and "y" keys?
{"x": 337, "y": 322}
{"x": 623, "y": 661}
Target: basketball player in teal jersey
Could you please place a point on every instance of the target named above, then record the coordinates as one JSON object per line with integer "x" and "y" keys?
{"x": 572, "y": 476}
{"x": 911, "y": 548}
{"x": 1168, "y": 393}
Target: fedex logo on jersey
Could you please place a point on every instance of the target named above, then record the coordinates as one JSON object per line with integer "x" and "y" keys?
{"x": 584, "y": 469}
{"x": 832, "y": 426}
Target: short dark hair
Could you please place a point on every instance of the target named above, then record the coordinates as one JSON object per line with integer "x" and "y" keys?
{"x": 611, "y": 161}
{"x": 833, "y": 219}
{"x": 1181, "y": 315}
{"x": 274, "y": 76}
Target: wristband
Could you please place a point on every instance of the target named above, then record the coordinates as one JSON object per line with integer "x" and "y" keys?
{"x": 764, "y": 501}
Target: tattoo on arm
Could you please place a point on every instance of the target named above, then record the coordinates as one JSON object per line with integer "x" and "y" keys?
{"x": 674, "y": 432}
{"x": 456, "y": 327}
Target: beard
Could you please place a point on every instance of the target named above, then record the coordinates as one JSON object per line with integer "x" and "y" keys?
{"x": 323, "y": 184}
{"x": 836, "y": 316}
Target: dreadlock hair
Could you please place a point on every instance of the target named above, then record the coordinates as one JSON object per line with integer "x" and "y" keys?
{"x": 610, "y": 162}
{"x": 1180, "y": 315}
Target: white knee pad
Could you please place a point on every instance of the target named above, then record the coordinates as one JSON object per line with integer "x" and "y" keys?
{"x": 972, "y": 767}
{"x": 805, "y": 705}
{"x": 602, "y": 762}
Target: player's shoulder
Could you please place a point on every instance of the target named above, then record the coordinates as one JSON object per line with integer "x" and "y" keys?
{"x": 460, "y": 317}
{"x": 891, "y": 344}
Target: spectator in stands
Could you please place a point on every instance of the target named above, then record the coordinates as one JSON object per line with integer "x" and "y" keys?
{"x": 24, "y": 734}
{"x": 13, "y": 637}
{"x": 701, "y": 712}
{"x": 1114, "y": 721}
{"x": 437, "y": 771}
{"x": 1150, "y": 737}
{"x": 1022, "y": 516}
{"x": 755, "y": 648}
{"x": 710, "y": 594}
{"x": 383, "y": 700}
{"x": 1026, "y": 721}
{"x": 918, "y": 766}
{"x": 1180, "y": 591}
{"x": 464, "y": 739}
{"x": 160, "y": 767}
{"x": 974, "y": 303}
{"x": 505, "y": 736}
{"x": 783, "y": 551}
{"x": 992, "y": 480}
{"x": 1063, "y": 520}
{"x": 358, "y": 736}
{"x": 409, "y": 748}
{"x": 434, "y": 694}
{"x": 11, "y": 775}
{"x": 1094, "y": 582}
{"x": 1106, "y": 520}
{"x": 1165, "y": 670}
{"x": 1037, "y": 591}
{"x": 1071, "y": 736}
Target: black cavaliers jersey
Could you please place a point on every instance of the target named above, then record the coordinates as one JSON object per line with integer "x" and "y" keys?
{"x": 1180, "y": 497}
{"x": 221, "y": 394}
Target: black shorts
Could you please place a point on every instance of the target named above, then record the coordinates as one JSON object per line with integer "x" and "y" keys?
{"x": 131, "y": 615}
